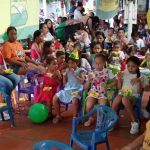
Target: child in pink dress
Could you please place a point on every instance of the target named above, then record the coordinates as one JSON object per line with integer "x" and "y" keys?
{"x": 50, "y": 84}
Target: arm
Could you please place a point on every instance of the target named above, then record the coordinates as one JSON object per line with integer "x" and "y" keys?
{"x": 64, "y": 78}
{"x": 28, "y": 59}
{"x": 114, "y": 83}
{"x": 80, "y": 78}
{"x": 14, "y": 62}
{"x": 136, "y": 143}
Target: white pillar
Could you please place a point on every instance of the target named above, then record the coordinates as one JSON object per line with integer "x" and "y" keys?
{"x": 130, "y": 7}
{"x": 44, "y": 9}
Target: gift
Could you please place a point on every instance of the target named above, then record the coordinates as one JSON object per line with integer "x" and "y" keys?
{"x": 47, "y": 89}
{"x": 9, "y": 71}
{"x": 126, "y": 92}
{"x": 94, "y": 94}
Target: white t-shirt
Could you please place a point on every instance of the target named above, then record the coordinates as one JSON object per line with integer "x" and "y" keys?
{"x": 77, "y": 14}
{"x": 139, "y": 43}
{"x": 48, "y": 37}
{"x": 127, "y": 77}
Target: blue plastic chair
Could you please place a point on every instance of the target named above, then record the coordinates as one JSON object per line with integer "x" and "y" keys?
{"x": 106, "y": 120}
{"x": 8, "y": 107}
{"x": 49, "y": 145}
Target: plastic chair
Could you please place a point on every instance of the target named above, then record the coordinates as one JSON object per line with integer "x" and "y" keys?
{"x": 50, "y": 145}
{"x": 8, "y": 107}
{"x": 106, "y": 120}
{"x": 30, "y": 87}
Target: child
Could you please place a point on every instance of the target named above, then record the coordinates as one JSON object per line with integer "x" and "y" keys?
{"x": 95, "y": 49}
{"x": 129, "y": 85}
{"x": 60, "y": 55}
{"x": 131, "y": 51}
{"x": 98, "y": 79}
{"x": 73, "y": 79}
{"x": 50, "y": 84}
{"x": 117, "y": 56}
{"x": 48, "y": 50}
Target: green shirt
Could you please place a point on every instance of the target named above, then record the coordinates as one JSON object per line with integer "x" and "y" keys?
{"x": 60, "y": 30}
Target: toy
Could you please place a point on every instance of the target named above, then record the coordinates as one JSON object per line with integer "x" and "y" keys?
{"x": 9, "y": 71}
{"x": 115, "y": 54}
{"x": 126, "y": 92}
{"x": 38, "y": 113}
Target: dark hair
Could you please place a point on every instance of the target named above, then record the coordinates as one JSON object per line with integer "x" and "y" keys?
{"x": 51, "y": 30}
{"x": 117, "y": 43}
{"x": 77, "y": 61}
{"x": 121, "y": 29}
{"x": 130, "y": 49}
{"x": 59, "y": 53}
{"x": 49, "y": 60}
{"x": 110, "y": 28}
{"x": 100, "y": 33}
{"x": 41, "y": 26}
{"x": 135, "y": 34}
{"x": 63, "y": 19}
{"x": 92, "y": 45}
{"x": 101, "y": 56}
{"x": 80, "y": 26}
{"x": 36, "y": 34}
{"x": 77, "y": 44}
{"x": 79, "y": 4}
{"x": 11, "y": 28}
{"x": 46, "y": 45}
{"x": 136, "y": 61}
{"x": 95, "y": 22}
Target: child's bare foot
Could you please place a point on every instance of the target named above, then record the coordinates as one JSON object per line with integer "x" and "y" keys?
{"x": 57, "y": 119}
{"x": 89, "y": 122}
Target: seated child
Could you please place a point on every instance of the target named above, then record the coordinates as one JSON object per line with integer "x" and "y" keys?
{"x": 60, "y": 55}
{"x": 117, "y": 56}
{"x": 130, "y": 88}
{"x": 52, "y": 80}
{"x": 73, "y": 80}
{"x": 98, "y": 89}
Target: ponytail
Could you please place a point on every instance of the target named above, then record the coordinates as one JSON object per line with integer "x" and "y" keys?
{"x": 138, "y": 73}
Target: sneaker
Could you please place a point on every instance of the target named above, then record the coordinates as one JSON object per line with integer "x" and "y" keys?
{"x": 6, "y": 116}
{"x": 146, "y": 114}
{"x": 134, "y": 128}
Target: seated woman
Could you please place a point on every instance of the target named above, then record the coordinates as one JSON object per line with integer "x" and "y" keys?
{"x": 15, "y": 56}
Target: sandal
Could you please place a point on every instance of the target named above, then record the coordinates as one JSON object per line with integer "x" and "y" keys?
{"x": 57, "y": 119}
{"x": 89, "y": 122}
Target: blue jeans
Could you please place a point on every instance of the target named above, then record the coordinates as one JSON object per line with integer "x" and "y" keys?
{"x": 9, "y": 82}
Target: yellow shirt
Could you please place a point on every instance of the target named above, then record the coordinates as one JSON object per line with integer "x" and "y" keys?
{"x": 146, "y": 143}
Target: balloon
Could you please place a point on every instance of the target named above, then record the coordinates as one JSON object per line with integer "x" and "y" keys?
{"x": 38, "y": 113}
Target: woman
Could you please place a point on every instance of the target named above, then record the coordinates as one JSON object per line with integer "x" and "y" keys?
{"x": 47, "y": 35}
{"x": 15, "y": 56}
{"x": 49, "y": 24}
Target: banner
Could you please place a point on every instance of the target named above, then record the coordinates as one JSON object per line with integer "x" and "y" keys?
{"x": 22, "y": 14}
{"x": 106, "y": 9}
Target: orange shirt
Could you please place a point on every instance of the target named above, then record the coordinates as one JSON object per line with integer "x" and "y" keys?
{"x": 14, "y": 51}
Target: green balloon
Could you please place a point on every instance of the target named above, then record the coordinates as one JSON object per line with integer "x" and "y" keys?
{"x": 38, "y": 113}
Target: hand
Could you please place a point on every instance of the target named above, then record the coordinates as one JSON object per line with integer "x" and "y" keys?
{"x": 25, "y": 66}
{"x": 120, "y": 75}
{"x": 90, "y": 76}
{"x": 135, "y": 81}
{"x": 2, "y": 72}
{"x": 58, "y": 74}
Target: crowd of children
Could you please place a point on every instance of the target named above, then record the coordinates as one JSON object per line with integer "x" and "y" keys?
{"x": 85, "y": 63}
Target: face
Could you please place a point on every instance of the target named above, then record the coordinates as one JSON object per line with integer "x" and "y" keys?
{"x": 132, "y": 67}
{"x": 100, "y": 38}
{"x": 97, "y": 49}
{"x": 52, "y": 47}
{"x": 117, "y": 48}
{"x": 110, "y": 32}
{"x": 53, "y": 65}
{"x": 132, "y": 53}
{"x": 79, "y": 31}
{"x": 61, "y": 59}
{"x": 12, "y": 35}
{"x": 99, "y": 63}
{"x": 121, "y": 33}
{"x": 45, "y": 28}
{"x": 49, "y": 24}
{"x": 59, "y": 20}
{"x": 40, "y": 38}
{"x": 72, "y": 64}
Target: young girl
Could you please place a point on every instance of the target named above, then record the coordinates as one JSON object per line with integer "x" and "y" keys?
{"x": 48, "y": 50}
{"x": 98, "y": 79}
{"x": 95, "y": 49}
{"x": 73, "y": 80}
{"x": 129, "y": 85}
{"x": 37, "y": 46}
{"x": 50, "y": 84}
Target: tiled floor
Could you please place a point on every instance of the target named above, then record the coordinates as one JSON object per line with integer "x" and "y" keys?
{"x": 26, "y": 134}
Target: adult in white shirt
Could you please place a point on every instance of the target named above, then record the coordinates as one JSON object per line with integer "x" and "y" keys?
{"x": 46, "y": 33}
{"x": 77, "y": 12}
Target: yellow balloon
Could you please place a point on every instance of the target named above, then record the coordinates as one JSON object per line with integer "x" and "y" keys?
{"x": 148, "y": 18}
